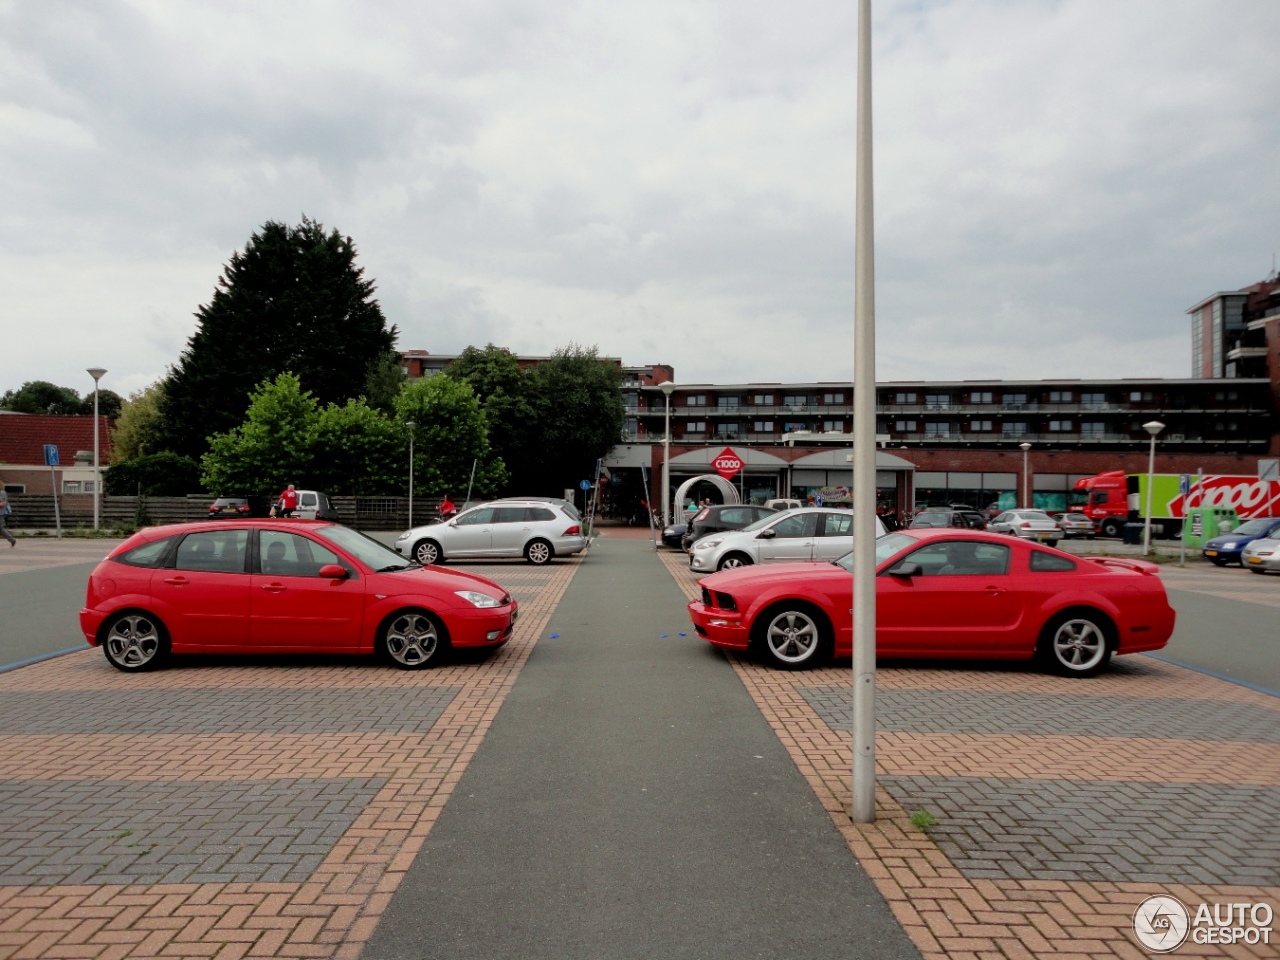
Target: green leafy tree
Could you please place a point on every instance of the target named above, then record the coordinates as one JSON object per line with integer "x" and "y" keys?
{"x": 138, "y": 428}
{"x": 503, "y": 390}
{"x": 275, "y": 445}
{"x": 358, "y": 450}
{"x": 450, "y": 434}
{"x": 41, "y": 396}
{"x": 153, "y": 475}
{"x": 110, "y": 404}
{"x": 576, "y": 399}
{"x": 383, "y": 379}
{"x": 293, "y": 300}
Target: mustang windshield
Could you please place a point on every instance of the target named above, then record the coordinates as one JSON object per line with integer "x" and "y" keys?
{"x": 886, "y": 547}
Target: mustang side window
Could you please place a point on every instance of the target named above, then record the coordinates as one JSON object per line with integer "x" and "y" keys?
{"x": 1042, "y": 562}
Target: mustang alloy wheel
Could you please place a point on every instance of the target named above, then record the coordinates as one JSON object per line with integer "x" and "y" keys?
{"x": 792, "y": 637}
{"x": 134, "y": 642}
{"x": 1076, "y": 645}
{"x": 412, "y": 639}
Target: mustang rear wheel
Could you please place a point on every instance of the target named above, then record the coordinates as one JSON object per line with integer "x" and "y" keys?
{"x": 413, "y": 639}
{"x": 792, "y": 636}
{"x": 134, "y": 641}
{"x": 1075, "y": 644}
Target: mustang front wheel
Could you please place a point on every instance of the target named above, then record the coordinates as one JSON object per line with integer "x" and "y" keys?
{"x": 792, "y": 637}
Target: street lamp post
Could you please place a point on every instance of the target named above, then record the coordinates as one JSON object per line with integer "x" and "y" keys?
{"x": 666, "y": 389}
{"x": 410, "y": 424}
{"x": 97, "y": 373}
{"x": 1026, "y": 476}
{"x": 1152, "y": 427}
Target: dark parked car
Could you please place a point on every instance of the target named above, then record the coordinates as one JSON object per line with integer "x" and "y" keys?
{"x": 1227, "y": 547}
{"x": 673, "y": 534}
{"x": 966, "y": 518}
{"x": 723, "y": 516}
{"x": 237, "y": 508}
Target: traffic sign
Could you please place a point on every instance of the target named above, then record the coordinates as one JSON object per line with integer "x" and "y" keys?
{"x": 727, "y": 463}
{"x": 585, "y": 485}
{"x": 51, "y": 455}
{"x": 1184, "y": 484}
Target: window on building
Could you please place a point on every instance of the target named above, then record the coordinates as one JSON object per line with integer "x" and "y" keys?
{"x": 904, "y": 398}
{"x": 1092, "y": 428}
{"x": 1060, "y": 396}
{"x": 726, "y": 403}
{"x": 937, "y": 401}
{"x": 70, "y": 486}
{"x": 1141, "y": 396}
{"x": 904, "y": 426}
{"x": 1013, "y": 429}
{"x": 791, "y": 426}
{"x": 980, "y": 426}
{"x": 762, "y": 399}
{"x": 981, "y": 396}
{"x": 763, "y": 426}
{"x": 726, "y": 429}
{"x": 1093, "y": 401}
{"x": 1015, "y": 400}
{"x": 695, "y": 426}
{"x": 696, "y": 400}
{"x": 937, "y": 429}
{"x": 1059, "y": 426}
{"x": 796, "y": 400}
{"x": 833, "y": 426}
{"x": 833, "y": 398}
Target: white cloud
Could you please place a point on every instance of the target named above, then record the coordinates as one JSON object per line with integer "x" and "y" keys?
{"x": 673, "y": 181}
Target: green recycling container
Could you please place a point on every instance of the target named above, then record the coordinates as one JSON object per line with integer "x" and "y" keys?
{"x": 1205, "y": 523}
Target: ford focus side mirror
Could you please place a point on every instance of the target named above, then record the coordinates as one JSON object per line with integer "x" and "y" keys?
{"x": 333, "y": 571}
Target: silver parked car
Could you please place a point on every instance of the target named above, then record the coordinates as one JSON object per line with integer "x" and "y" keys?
{"x": 537, "y": 530}
{"x": 1028, "y": 524}
{"x": 1261, "y": 555}
{"x": 811, "y": 533}
{"x": 1077, "y": 525}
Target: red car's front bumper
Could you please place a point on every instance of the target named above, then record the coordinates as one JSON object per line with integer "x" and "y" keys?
{"x": 482, "y": 626}
{"x": 721, "y": 628}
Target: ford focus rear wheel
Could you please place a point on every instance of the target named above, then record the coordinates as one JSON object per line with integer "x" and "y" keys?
{"x": 793, "y": 637}
{"x": 1075, "y": 644}
{"x": 412, "y": 639}
{"x": 135, "y": 641}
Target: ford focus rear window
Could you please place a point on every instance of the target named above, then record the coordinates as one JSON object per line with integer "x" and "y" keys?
{"x": 151, "y": 554}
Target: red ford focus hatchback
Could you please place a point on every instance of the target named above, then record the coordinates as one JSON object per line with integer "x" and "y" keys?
{"x": 283, "y": 586}
{"x": 942, "y": 594}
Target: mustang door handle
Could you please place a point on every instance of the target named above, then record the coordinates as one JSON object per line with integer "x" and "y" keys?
{"x": 177, "y": 581}
{"x": 274, "y": 587}
{"x": 995, "y": 591}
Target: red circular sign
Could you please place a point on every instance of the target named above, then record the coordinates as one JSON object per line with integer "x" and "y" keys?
{"x": 727, "y": 463}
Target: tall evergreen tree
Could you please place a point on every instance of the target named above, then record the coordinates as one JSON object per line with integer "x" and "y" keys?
{"x": 294, "y": 300}
{"x": 502, "y": 389}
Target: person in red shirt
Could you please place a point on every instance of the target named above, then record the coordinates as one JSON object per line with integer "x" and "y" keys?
{"x": 288, "y": 500}
{"x": 447, "y": 509}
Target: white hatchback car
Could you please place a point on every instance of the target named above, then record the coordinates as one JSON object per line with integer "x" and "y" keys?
{"x": 811, "y": 533}
{"x": 537, "y": 530}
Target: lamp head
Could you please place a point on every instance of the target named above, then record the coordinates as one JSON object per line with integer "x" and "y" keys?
{"x": 1153, "y": 427}
{"x": 410, "y": 424}
{"x": 1025, "y": 447}
{"x": 97, "y": 373}
{"x": 667, "y": 387}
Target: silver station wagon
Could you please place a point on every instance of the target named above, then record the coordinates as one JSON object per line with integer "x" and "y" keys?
{"x": 538, "y": 530}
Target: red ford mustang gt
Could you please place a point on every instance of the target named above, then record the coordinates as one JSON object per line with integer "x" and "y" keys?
{"x": 940, "y": 594}
{"x": 283, "y": 586}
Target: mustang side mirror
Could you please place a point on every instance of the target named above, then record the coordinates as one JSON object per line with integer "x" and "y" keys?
{"x": 333, "y": 571}
{"x": 907, "y": 568}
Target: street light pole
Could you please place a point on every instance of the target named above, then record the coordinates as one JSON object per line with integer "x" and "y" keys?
{"x": 863, "y": 799}
{"x": 666, "y": 388}
{"x": 410, "y": 424}
{"x": 1026, "y": 476}
{"x": 97, "y": 373}
{"x": 1152, "y": 427}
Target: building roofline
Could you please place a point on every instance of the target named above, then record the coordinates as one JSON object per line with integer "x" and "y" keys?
{"x": 921, "y": 384}
{"x": 1215, "y": 296}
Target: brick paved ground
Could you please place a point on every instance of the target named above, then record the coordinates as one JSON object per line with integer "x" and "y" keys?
{"x": 232, "y": 807}
{"x": 1061, "y": 804}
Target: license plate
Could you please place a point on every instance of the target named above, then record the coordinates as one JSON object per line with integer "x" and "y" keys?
{"x": 1042, "y": 536}
{"x": 1211, "y": 553}
{"x": 1254, "y": 559}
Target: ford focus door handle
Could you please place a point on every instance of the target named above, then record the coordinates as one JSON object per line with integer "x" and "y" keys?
{"x": 274, "y": 587}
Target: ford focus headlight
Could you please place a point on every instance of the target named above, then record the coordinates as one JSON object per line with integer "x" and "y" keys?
{"x": 477, "y": 598}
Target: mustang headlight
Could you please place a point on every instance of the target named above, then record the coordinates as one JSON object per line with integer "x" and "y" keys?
{"x": 479, "y": 599}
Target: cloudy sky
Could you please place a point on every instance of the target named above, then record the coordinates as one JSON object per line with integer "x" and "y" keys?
{"x": 670, "y": 181}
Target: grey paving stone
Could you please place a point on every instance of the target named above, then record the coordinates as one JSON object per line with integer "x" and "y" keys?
{"x": 1190, "y": 832}
{"x": 224, "y": 710}
{"x": 139, "y": 832}
{"x": 1001, "y": 712}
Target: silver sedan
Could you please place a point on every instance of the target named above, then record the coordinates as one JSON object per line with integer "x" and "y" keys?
{"x": 811, "y": 533}
{"x": 1261, "y": 556}
{"x": 1028, "y": 524}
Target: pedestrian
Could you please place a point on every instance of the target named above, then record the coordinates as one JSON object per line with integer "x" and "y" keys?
{"x": 5, "y": 511}
{"x": 288, "y": 501}
{"x": 447, "y": 508}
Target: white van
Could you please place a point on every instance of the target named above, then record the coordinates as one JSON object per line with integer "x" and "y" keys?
{"x": 782, "y": 503}
{"x": 314, "y": 505}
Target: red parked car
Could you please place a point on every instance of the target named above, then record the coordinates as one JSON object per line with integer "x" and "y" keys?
{"x": 283, "y": 586}
{"x": 943, "y": 594}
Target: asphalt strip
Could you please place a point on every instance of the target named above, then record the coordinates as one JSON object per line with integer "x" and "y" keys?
{"x": 630, "y": 801}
